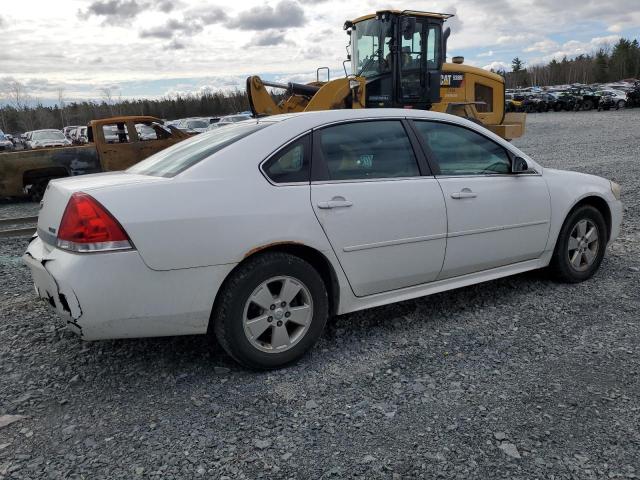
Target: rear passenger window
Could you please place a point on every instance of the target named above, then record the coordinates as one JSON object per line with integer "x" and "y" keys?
{"x": 362, "y": 150}
{"x": 460, "y": 151}
{"x": 291, "y": 164}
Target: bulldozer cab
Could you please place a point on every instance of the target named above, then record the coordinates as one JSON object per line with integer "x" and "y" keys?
{"x": 400, "y": 53}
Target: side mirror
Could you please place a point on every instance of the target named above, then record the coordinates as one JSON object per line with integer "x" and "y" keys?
{"x": 519, "y": 165}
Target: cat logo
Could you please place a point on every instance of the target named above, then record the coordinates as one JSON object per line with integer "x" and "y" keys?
{"x": 451, "y": 80}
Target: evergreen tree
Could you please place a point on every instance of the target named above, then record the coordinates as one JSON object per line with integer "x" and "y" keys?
{"x": 517, "y": 65}
{"x": 600, "y": 66}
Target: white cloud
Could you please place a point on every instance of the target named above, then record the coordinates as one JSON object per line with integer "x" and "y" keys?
{"x": 208, "y": 40}
{"x": 516, "y": 39}
{"x": 545, "y": 45}
{"x": 495, "y": 66}
{"x": 573, "y": 48}
{"x": 600, "y": 41}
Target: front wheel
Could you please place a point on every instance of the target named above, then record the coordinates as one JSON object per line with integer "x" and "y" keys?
{"x": 271, "y": 310}
{"x": 581, "y": 245}
{"x": 620, "y": 105}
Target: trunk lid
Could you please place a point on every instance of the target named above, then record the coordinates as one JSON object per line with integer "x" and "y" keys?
{"x": 59, "y": 191}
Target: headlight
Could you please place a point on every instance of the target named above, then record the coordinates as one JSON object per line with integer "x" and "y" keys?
{"x": 615, "y": 189}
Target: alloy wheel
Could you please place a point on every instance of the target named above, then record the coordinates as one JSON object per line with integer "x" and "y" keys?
{"x": 584, "y": 242}
{"x": 278, "y": 314}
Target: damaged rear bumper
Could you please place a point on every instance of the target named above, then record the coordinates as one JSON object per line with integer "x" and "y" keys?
{"x": 60, "y": 296}
{"x": 116, "y": 295}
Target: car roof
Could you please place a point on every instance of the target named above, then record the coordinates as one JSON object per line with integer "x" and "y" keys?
{"x": 327, "y": 116}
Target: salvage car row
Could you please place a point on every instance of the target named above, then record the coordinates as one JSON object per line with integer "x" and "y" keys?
{"x": 78, "y": 134}
{"x": 573, "y": 98}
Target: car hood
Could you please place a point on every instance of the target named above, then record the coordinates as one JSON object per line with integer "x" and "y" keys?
{"x": 568, "y": 177}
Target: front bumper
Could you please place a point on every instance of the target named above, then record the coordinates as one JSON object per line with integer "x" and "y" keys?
{"x": 616, "y": 219}
{"x": 115, "y": 295}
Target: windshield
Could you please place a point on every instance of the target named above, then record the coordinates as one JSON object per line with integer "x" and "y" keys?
{"x": 48, "y": 135}
{"x": 146, "y": 129}
{"x": 371, "y": 50}
{"x": 179, "y": 157}
{"x": 197, "y": 124}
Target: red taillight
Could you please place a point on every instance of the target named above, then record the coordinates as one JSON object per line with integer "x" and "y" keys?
{"x": 87, "y": 226}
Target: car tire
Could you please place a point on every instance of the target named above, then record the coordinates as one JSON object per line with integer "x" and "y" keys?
{"x": 577, "y": 257}
{"x": 38, "y": 187}
{"x": 621, "y": 104}
{"x": 237, "y": 309}
{"x": 587, "y": 105}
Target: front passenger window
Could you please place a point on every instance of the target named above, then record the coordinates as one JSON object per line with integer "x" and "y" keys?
{"x": 461, "y": 151}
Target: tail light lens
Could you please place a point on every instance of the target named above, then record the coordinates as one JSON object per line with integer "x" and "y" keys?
{"x": 87, "y": 226}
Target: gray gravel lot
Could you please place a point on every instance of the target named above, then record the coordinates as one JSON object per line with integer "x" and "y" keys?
{"x": 519, "y": 378}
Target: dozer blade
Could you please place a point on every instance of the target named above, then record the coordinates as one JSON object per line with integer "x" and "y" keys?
{"x": 511, "y": 127}
{"x": 337, "y": 94}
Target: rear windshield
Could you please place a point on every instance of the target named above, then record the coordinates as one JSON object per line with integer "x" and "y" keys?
{"x": 48, "y": 135}
{"x": 173, "y": 160}
{"x": 197, "y": 124}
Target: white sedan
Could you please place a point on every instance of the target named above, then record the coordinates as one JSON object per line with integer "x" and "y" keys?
{"x": 258, "y": 231}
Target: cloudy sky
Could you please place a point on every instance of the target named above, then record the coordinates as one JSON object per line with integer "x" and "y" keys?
{"x": 150, "y": 48}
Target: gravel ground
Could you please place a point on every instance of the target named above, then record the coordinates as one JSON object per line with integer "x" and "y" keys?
{"x": 519, "y": 378}
{"x": 14, "y": 209}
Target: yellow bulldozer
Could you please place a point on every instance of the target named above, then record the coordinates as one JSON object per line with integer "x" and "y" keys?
{"x": 398, "y": 60}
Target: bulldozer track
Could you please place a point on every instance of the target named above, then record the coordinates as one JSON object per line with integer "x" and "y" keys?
{"x": 25, "y": 231}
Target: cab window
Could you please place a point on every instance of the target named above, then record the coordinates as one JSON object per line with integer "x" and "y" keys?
{"x": 115, "y": 133}
{"x": 484, "y": 94}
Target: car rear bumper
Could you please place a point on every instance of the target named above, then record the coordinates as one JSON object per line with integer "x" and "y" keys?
{"x": 115, "y": 295}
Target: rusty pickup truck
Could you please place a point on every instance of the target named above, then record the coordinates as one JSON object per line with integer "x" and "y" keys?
{"x": 114, "y": 144}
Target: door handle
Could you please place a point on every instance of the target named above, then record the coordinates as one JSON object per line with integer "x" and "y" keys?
{"x": 464, "y": 193}
{"x": 335, "y": 203}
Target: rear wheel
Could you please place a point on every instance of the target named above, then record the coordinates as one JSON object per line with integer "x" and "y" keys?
{"x": 581, "y": 245}
{"x": 271, "y": 311}
{"x": 37, "y": 188}
{"x": 587, "y": 105}
{"x": 621, "y": 104}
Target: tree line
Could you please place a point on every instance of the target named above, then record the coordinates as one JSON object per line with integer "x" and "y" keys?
{"x": 24, "y": 112}
{"x": 607, "y": 64}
